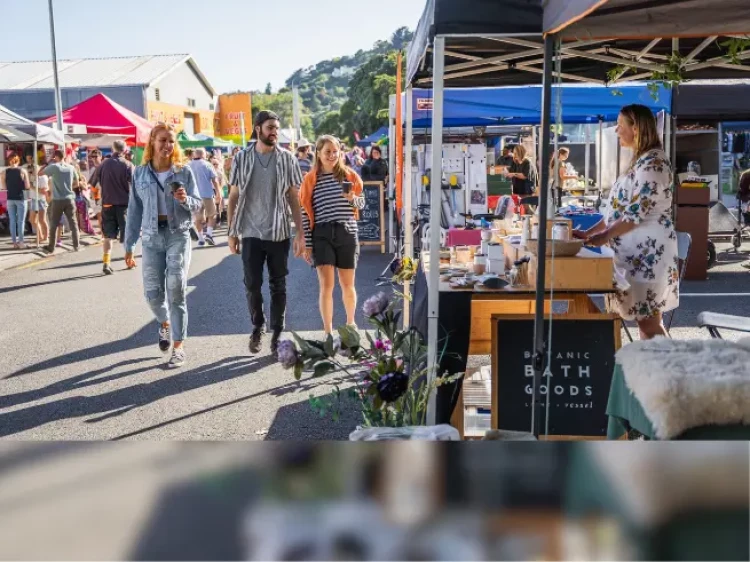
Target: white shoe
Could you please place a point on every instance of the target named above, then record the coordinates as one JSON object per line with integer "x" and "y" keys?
{"x": 178, "y": 358}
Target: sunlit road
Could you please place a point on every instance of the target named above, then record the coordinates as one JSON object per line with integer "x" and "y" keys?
{"x": 80, "y": 359}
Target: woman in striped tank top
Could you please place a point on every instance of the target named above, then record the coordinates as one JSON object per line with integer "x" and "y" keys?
{"x": 331, "y": 196}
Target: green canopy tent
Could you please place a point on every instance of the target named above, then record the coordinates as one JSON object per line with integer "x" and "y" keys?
{"x": 202, "y": 141}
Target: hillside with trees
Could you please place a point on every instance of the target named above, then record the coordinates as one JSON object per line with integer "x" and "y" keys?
{"x": 341, "y": 95}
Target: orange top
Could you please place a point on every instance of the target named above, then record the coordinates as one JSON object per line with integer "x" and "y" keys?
{"x": 308, "y": 186}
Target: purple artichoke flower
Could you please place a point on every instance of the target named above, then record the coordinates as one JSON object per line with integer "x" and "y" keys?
{"x": 392, "y": 386}
{"x": 287, "y": 354}
{"x": 376, "y": 304}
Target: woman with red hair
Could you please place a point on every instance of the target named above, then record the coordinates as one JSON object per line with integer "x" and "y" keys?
{"x": 162, "y": 201}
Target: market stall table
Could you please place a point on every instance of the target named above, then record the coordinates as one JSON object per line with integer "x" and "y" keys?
{"x": 626, "y": 412}
{"x": 483, "y": 321}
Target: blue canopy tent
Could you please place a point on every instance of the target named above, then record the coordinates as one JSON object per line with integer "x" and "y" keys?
{"x": 522, "y": 105}
{"x": 374, "y": 137}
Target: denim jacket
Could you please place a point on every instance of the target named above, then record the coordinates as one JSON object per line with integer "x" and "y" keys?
{"x": 143, "y": 215}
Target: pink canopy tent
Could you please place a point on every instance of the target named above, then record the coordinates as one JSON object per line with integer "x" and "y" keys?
{"x": 102, "y": 115}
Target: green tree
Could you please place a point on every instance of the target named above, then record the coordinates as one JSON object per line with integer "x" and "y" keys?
{"x": 366, "y": 108}
{"x": 269, "y": 89}
{"x": 330, "y": 125}
{"x": 281, "y": 104}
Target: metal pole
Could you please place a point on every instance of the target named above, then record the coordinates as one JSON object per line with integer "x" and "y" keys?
{"x": 391, "y": 171}
{"x": 296, "y": 113}
{"x": 58, "y": 97}
{"x": 587, "y": 164}
{"x": 433, "y": 302}
{"x": 539, "y": 344}
{"x": 36, "y": 187}
{"x": 599, "y": 164}
{"x": 407, "y": 185}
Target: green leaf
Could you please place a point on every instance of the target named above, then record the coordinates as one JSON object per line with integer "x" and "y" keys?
{"x": 298, "y": 370}
{"x": 329, "y": 346}
{"x": 323, "y": 368}
{"x": 302, "y": 344}
{"x": 349, "y": 336}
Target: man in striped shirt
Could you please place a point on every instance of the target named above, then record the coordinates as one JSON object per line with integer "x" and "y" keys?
{"x": 263, "y": 197}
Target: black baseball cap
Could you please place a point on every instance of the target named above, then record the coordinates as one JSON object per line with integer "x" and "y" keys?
{"x": 264, "y": 116}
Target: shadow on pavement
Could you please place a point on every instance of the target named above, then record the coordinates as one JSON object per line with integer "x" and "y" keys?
{"x": 300, "y": 422}
{"x": 131, "y": 397}
{"x": 43, "y": 283}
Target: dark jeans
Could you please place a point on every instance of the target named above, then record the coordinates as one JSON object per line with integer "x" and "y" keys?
{"x": 255, "y": 254}
{"x": 57, "y": 208}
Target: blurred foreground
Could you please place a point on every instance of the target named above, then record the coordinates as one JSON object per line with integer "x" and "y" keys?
{"x": 385, "y": 501}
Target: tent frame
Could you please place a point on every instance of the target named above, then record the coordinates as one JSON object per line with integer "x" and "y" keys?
{"x": 530, "y": 58}
{"x": 552, "y": 49}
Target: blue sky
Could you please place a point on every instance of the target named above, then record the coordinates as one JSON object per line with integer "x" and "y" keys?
{"x": 239, "y": 44}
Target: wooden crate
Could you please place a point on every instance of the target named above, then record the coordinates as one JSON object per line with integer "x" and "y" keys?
{"x": 579, "y": 274}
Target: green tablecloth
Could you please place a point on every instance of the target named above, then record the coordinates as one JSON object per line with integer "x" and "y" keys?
{"x": 625, "y": 412}
{"x": 697, "y": 534}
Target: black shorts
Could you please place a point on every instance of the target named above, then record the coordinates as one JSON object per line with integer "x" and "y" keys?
{"x": 113, "y": 222}
{"x": 334, "y": 245}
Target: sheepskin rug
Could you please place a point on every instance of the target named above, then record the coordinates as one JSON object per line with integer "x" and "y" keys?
{"x": 689, "y": 383}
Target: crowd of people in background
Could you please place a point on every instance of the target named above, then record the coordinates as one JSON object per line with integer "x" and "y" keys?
{"x": 176, "y": 195}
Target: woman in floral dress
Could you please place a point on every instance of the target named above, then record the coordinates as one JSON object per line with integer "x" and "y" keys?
{"x": 638, "y": 225}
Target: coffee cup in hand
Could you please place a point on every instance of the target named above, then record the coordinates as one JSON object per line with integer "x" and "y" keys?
{"x": 346, "y": 187}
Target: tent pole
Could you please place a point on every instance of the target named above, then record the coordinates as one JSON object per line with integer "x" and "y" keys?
{"x": 438, "y": 58}
{"x": 36, "y": 187}
{"x": 599, "y": 164}
{"x": 407, "y": 194}
{"x": 539, "y": 344}
{"x": 391, "y": 171}
{"x": 587, "y": 164}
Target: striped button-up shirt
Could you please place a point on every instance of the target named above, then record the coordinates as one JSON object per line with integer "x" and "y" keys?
{"x": 288, "y": 175}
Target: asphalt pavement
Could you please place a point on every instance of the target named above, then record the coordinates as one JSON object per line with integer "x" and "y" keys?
{"x": 80, "y": 358}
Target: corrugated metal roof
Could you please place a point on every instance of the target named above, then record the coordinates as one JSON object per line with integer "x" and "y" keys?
{"x": 83, "y": 73}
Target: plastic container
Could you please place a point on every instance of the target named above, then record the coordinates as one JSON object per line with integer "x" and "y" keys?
{"x": 480, "y": 264}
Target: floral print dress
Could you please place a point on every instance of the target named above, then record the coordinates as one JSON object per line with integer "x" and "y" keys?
{"x": 647, "y": 255}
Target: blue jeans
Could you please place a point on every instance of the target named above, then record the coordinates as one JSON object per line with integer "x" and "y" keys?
{"x": 17, "y": 218}
{"x": 166, "y": 259}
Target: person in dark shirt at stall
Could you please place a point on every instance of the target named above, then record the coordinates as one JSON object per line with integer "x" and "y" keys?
{"x": 506, "y": 158}
{"x": 375, "y": 168}
{"x": 522, "y": 173}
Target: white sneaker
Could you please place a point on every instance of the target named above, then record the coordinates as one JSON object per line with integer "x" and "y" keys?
{"x": 178, "y": 358}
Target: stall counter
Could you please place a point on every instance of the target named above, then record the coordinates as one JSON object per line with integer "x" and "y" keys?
{"x": 466, "y": 322}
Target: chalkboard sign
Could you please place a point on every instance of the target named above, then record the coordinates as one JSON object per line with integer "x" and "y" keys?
{"x": 577, "y": 381}
{"x": 372, "y": 218}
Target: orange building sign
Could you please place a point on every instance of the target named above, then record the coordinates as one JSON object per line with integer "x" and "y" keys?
{"x": 232, "y": 107}
{"x": 203, "y": 121}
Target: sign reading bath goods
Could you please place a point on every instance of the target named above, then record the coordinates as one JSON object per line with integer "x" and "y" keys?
{"x": 372, "y": 218}
{"x": 577, "y": 381}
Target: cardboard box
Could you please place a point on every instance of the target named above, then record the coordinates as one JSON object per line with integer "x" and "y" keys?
{"x": 579, "y": 274}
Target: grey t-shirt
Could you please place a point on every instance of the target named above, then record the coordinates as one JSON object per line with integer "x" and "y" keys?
{"x": 62, "y": 176}
{"x": 261, "y": 198}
